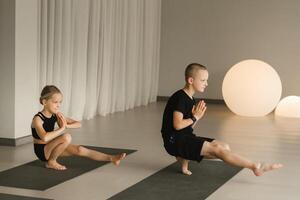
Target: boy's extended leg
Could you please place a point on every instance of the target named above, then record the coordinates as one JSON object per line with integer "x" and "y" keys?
{"x": 216, "y": 150}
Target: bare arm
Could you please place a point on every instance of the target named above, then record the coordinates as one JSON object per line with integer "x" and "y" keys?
{"x": 180, "y": 123}
{"x": 71, "y": 123}
{"x": 198, "y": 112}
{"x": 46, "y": 136}
{"x": 194, "y": 124}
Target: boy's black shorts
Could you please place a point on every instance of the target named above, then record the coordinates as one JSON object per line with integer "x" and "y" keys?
{"x": 185, "y": 145}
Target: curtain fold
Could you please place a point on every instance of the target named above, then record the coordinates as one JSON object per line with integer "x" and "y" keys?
{"x": 102, "y": 54}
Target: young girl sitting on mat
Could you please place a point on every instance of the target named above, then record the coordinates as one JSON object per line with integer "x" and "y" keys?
{"x": 180, "y": 116}
{"x": 50, "y": 143}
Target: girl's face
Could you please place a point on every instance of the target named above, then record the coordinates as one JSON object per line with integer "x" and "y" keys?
{"x": 199, "y": 82}
{"x": 53, "y": 104}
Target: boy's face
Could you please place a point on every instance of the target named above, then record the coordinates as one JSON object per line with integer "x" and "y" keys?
{"x": 53, "y": 104}
{"x": 199, "y": 81}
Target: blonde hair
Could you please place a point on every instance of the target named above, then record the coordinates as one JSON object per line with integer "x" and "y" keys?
{"x": 48, "y": 91}
{"x": 191, "y": 69}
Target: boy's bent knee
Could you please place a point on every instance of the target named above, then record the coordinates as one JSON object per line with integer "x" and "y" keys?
{"x": 220, "y": 150}
{"x": 207, "y": 149}
{"x": 219, "y": 144}
{"x": 212, "y": 149}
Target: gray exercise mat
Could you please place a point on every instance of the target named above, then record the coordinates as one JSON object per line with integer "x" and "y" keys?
{"x": 35, "y": 176}
{"x": 169, "y": 183}
{"x": 17, "y": 197}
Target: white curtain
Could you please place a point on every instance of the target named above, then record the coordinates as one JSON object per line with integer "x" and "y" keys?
{"x": 102, "y": 54}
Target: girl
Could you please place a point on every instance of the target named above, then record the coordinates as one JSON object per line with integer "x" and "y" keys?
{"x": 50, "y": 143}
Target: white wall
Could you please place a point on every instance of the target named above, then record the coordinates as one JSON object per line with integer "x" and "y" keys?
{"x": 18, "y": 66}
{"x": 26, "y": 86}
{"x": 219, "y": 34}
{"x": 7, "y": 30}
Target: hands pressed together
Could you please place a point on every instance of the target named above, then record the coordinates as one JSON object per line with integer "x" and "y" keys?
{"x": 61, "y": 120}
{"x": 199, "y": 110}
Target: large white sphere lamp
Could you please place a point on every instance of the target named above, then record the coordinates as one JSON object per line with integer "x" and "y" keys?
{"x": 251, "y": 88}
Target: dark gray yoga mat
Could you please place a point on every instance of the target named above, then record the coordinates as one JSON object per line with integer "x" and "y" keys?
{"x": 35, "y": 176}
{"x": 17, "y": 197}
{"x": 169, "y": 183}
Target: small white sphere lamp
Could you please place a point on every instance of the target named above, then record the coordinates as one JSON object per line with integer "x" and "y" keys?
{"x": 288, "y": 107}
{"x": 251, "y": 88}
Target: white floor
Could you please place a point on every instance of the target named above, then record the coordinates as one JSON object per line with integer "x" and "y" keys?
{"x": 261, "y": 139}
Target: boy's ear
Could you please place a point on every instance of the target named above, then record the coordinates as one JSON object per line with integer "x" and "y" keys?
{"x": 190, "y": 80}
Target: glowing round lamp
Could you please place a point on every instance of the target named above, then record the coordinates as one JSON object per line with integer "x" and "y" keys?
{"x": 288, "y": 107}
{"x": 251, "y": 88}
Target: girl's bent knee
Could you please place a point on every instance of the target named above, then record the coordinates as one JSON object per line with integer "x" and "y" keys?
{"x": 67, "y": 138}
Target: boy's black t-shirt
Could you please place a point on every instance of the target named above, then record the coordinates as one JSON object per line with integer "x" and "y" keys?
{"x": 180, "y": 102}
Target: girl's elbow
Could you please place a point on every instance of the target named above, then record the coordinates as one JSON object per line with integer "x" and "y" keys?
{"x": 76, "y": 125}
{"x": 44, "y": 139}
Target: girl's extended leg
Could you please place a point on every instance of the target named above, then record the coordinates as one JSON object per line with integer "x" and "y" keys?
{"x": 78, "y": 150}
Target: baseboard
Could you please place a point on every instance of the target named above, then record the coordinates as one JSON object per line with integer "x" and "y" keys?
{"x": 211, "y": 101}
{"x": 16, "y": 141}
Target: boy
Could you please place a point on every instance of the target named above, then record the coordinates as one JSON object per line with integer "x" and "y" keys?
{"x": 180, "y": 116}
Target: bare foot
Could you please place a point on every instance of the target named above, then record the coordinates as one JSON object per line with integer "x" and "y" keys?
{"x": 184, "y": 166}
{"x": 186, "y": 172}
{"x": 117, "y": 159}
{"x": 261, "y": 168}
{"x": 52, "y": 164}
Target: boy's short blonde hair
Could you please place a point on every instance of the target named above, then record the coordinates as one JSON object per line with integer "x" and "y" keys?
{"x": 191, "y": 69}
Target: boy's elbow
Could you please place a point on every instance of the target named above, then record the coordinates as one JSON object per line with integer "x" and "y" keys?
{"x": 176, "y": 126}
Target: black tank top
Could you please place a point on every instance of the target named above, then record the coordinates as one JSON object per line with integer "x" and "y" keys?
{"x": 48, "y": 124}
